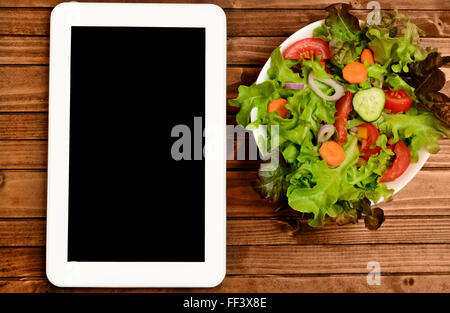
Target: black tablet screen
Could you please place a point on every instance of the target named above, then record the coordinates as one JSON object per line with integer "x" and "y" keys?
{"x": 134, "y": 94}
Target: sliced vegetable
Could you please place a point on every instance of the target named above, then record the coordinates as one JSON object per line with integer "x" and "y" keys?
{"x": 361, "y": 133}
{"x": 279, "y": 106}
{"x": 369, "y": 103}
{"x": 294, "y": 86}
{"x": 397, "y": 101}
{"x": 355, "y": 73}
{"x": 400, "y": 164}
{"x": 368, "y": 134}
{"x": 338, "y": 89}
{"x": 332, "y": 153}
{"x": 343, "y": 109}
{"x": 367, "y": 55}
{"x": 324, "y": 63}
{"x": 305, "y": 48}
{"x": 381, "y": 81}
{"x": 325, "y": 133}
{"x": 353, "y": 130}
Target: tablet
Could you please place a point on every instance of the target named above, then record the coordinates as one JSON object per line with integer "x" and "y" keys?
{"x": 136, "y": 157}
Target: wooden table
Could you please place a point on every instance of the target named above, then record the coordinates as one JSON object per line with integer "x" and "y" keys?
{"x": 264, "y": 253}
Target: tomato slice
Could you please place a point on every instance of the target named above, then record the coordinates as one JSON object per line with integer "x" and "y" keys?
{"x": 400, "y": 164}
{"x": 366, "y": 143}
{"x": 397, "y": 101}
{"x": 343, "y": 109}
{"x": 304, "y": 48}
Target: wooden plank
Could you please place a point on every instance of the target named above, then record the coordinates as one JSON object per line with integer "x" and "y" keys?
{"x": 424, "y": 195}
{"x": 23, "y": 232}
{"x": 23, "y": 194}
{"x": 282, "y": 260}
{"x": 263, "y": 260}
{"x": 236, "y": 4}
{"x": 393, "y": 231}
{"x": 28, "y": 21}
{"x": 23, "y": 154}
{"x": 23, "y": 88}
{"x": 23, "y": 126}
{"x": 24, "y": 21}
{"x": 24, "y": 50}
{"x": 255, "y": 22}
{"x": 22, "y": 262}
{"x": 270, "y": 283}
{"x": 31, "y": 232}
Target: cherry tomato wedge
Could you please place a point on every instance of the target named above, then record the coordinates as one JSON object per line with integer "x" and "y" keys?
{"x": 372, "y": 134}
{"x": 400, "y": 164}
{"x": 397, "y": 101}
{"x": 343, "y": 109}
{"x": 304, "y": 48}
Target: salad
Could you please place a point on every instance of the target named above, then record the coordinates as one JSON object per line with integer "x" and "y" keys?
{"x": 353, "y": 106}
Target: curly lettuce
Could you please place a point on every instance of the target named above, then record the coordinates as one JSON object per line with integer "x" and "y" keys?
{"x": 312, "y": 190}
{"x": 419, "y": 128}
{"x": 343, "y": 33}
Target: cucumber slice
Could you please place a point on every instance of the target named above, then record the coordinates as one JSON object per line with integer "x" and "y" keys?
{"x": 369, "y": 103}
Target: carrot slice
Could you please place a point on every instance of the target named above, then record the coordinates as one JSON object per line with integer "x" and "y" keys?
{"x": 355, "y": 73}
{"x": 332, "y": 153}
{"x": 367, "y": 55}
{"x": 279, "y": 105}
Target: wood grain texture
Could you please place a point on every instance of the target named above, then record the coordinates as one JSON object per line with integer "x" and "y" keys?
{"x": 24, "y": 50}
{"x": 23, "y": 88}
{"x": 263, "y": 260}
{"x": 249, "y": 4}
{"x": 282, "y": 260}
{"x": 28, "y": 154}
{"x": 23, "y": 194}
{"x": 23, "y": 126}
{"x": 265, "y": 283}
{"x": 23, "y": 232}
{"x": 35, "y": 21}
{"x": 272, "y": 231}
{"x": 394, "y": 230}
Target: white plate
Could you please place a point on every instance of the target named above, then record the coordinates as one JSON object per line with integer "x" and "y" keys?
{"x": 307, "y": 32}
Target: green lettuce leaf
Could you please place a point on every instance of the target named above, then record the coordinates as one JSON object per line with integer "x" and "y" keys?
{"x": 417, "y": 127}
{"x": 397, "y": 52}
{"x": 256, "y": 95}
{"x": 346, "y": 39}
{"x": 317, "y": 193}
{"x": 280, "y": 69}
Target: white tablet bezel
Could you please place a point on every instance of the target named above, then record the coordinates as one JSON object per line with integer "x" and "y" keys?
{"x": 210, "y": 273}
